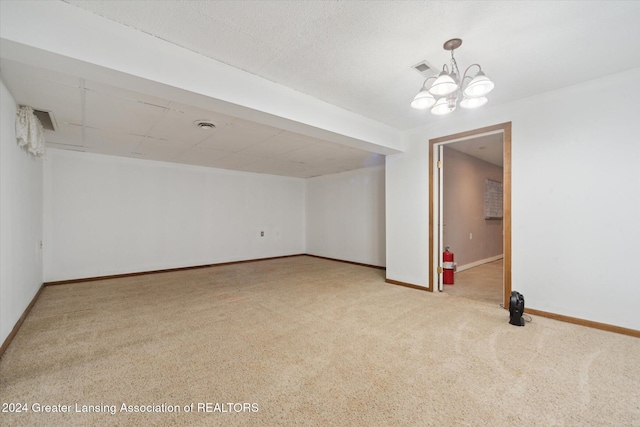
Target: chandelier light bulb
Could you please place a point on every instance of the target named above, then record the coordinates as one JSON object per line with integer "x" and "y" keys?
{"x": 443, "y": 107}
{"x": 470, "y": 103}
{"x": 423, "y": 100}
{"x": 444, "y": 85}
{"x": 479, "y": 86}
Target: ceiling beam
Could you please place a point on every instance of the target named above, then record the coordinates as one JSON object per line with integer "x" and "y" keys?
{"x": 66, "y": 39}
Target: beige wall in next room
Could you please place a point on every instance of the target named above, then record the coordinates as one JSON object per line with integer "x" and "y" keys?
{"x": 464, "y": 181}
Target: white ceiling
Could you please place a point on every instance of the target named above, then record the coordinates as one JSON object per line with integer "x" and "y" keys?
{"x": 484, "y": 147}
{"x": 354, "y": 55}
{"x": 98, "y": 118}
{"x": 358, "y": 54}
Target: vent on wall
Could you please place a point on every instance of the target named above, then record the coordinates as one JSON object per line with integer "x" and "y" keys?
{"x": 46, "y": 119}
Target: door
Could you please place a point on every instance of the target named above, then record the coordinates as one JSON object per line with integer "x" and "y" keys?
{"x": 441, "y": 224}
{"x": 436, "y": 220}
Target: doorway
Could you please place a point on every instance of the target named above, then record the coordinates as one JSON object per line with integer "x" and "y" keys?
{"x": 436, "y": 224}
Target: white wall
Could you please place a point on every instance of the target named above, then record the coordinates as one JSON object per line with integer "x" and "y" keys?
{"x": 407, "y": 211}
{"x": 20, "y": 221}
{"x": 108, "y": 215}
{"x": 345, "y": 216}
{"x": 575, "y": 198}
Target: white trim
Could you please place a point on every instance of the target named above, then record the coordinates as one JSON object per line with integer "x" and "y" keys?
{"x": 477, "y": 263}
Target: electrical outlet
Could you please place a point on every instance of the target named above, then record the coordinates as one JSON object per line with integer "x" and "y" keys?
{"x": 262, "y": 234}
{"x": 470, "y": 236}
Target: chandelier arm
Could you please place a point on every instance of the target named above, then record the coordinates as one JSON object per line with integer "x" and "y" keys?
{"x": 424, "y": 85}
{"x": 465, "y": 72}
{"x": 463, "y": 80}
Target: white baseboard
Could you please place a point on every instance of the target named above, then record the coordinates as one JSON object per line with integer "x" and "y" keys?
{"x": 477, "y": 263}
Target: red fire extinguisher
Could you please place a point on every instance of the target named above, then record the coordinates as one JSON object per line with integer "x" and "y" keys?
{"x": 447, "y": 267}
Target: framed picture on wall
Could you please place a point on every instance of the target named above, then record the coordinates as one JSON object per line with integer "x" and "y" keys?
{"x": 492, "y": 199}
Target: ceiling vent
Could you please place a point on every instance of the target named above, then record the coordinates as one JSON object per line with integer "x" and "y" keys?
{"x": 46, "y": 119}
{"x": 425, "y": 69}
{"x": 205, "y": 124}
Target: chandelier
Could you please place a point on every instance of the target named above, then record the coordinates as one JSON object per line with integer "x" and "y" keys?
{"x": 447, "y": 91}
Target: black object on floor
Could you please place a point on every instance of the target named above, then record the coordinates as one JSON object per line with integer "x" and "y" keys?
{"x": 516, "y": 308}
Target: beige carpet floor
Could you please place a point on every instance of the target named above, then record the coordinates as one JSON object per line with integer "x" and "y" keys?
{"x": 307, "y": 341}
{"x": 481, "y": 283}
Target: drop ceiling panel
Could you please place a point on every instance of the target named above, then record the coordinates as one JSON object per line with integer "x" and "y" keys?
{"x": 113, "y": 143}
{"x": 67, "y": 147}
{"x": 66, "y": 134}
{"x": 238, "y": 161}
{"x": 125, "y": 123}
{"x": 350, "y": 154}
{"x": 201, "y": 114}
{"x": 234, "y": 138}
{"x": 278, "y": 167}
{"x": 278, "y": 145}
{"x": 362, "y": 161}
{"x": 111, "y": 113}
{"x": 117, "y": 92}
{"x": 324, "y": 170}
{"x": 318, "y": 152}
{"x": 179, "y": 128}
{"x": 343, "y": 164}
{"x": 240, "y": 123}
{"x": 201, "y": 156}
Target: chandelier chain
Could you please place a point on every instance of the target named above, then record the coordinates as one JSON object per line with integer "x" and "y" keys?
{"x": 454, "y": 65}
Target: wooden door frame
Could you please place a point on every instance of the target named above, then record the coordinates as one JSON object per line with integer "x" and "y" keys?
{"x": 506, "y": 199}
